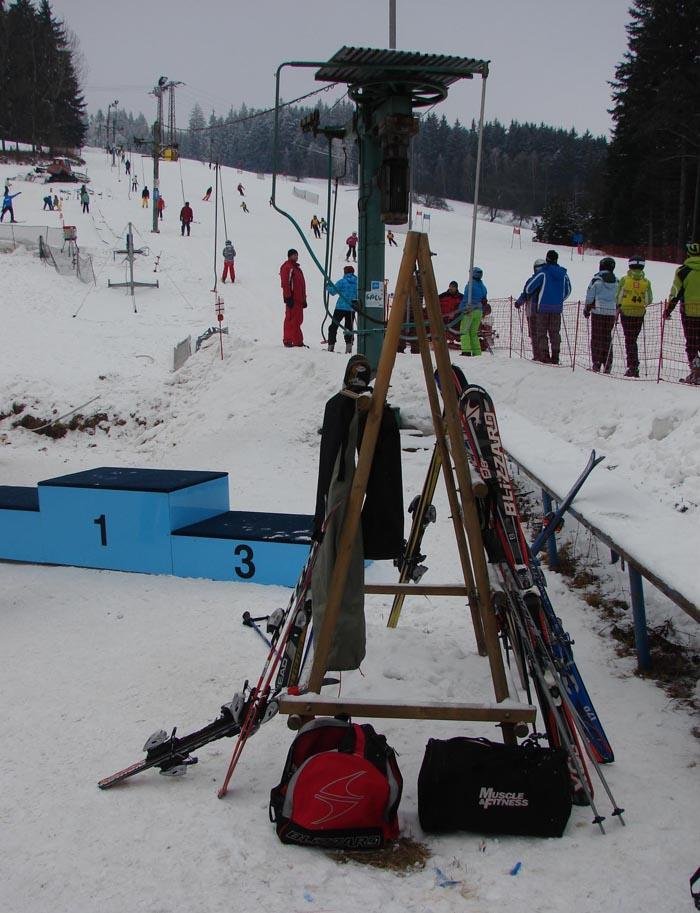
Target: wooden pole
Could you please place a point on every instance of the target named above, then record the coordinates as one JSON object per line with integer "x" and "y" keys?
{"x": 364, "y": 464}
{"x": 459, "y": 456}
{"x": 446, "y": 462}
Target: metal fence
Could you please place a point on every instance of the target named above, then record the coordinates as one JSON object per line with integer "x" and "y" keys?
{"x": 661, "y": 343}
{"x": 67, "y": 260}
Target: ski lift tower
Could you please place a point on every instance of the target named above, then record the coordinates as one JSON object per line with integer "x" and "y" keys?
{"x": 387, "y": 86}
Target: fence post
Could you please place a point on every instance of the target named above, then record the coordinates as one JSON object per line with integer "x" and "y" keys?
{"x": 510, "y": 329}
{"x": 661, "y": 342}
{"x": 578, "y": 314}
{"x": 641, "y": 640}
{"x": 552, "y": 556}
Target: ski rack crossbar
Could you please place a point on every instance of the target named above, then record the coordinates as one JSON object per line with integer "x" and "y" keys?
{"x": 298, "y": 707}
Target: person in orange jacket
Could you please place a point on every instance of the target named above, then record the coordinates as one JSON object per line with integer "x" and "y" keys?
{"x": 294, "y": 295}
{"x": 160, "y": 206}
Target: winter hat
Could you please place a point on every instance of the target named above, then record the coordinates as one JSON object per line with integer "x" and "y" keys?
{"x": 607, "y": 264}
{"x": 358, "y": 374}
{"x": 292, "y": 251}
{"x": 539, "y": 263}
{"x": 552, "y": 256}
{"x": 636, "y": 262}
{"x": 693, "y": 248}
{"x": 477, "y": 272}
{"x": 349, "y": 269}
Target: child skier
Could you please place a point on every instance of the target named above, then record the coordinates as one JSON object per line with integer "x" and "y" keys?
{"x": 633, "y": 298}
{"x": 346, "y": 290}
{"x": 472, "y": 310}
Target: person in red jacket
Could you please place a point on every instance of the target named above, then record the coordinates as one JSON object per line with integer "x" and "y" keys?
{"x": 160, "y": 206}
{"x": 186, "y": 218}
{"x": 449, "y": 306}
{"x": 294, "y": 295}
{"x": 351, "y": 242}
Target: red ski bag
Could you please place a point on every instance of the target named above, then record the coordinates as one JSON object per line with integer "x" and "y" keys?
{"x": 340, "y": 788}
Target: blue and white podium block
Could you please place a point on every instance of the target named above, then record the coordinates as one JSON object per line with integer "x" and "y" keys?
{"x": 121, "y": 519}
{"x": 20, "y": 524}
{"x": 243, "y": 545}
{"x": 155, "y": 521}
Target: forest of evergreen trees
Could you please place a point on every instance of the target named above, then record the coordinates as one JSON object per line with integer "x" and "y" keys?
{"x": 641, "y": 190}
{"x": 40, "y": 98}
{"x": 524, "y": 166}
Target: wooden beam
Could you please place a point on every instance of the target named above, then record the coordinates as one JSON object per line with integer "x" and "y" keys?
{"x": 309, "y": 705}
{"x": 416, "y": 589}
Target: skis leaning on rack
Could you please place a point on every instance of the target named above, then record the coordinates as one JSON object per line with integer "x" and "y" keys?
{"x": 250, "y": 707}
{"x": 530, "y": 628}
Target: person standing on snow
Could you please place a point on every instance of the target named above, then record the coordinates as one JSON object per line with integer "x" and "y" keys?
{"x": 472, "y": 309}
{"x": 294, "y": 295}
{"x": 449, "y": 308}
{"x": 186, "y": 219}
{"x": 633, "y": 298}
{"x": 686, "y": 290}
{"x": 85, "y": 199}
{"x": 352, "y": 246}
{"x": 229, "y": 254}
{"x": 601, "y": 307}
{"x": 135, "y": 183}
{"x": 391, "y": 239}
{"x": 551, "y": 287}
{"x": 127, "y": 166}
{"x": 346, "y": 290}
{"x": 48, "y": 202}
{"x": 145, "y": 197}
{"x": 7, "y": 204}
{"x": 324, "y": 226}
{"x": 530, "y": 302}
{"x": 160, "y": 206}
{"x": 316, "y": 227}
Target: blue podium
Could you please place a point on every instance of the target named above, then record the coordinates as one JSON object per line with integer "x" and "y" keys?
{"x": 121, "y": 519}
{"x": 20, "y": 524}
{"x": 244, "y": 545}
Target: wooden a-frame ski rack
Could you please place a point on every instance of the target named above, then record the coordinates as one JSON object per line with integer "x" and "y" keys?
{"x": 453, "y": 457}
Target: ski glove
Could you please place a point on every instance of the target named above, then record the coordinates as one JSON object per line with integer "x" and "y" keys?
{"x": 668, "y": 310}
{"x": 587, "y": 311}
{"x": 289, "y": 302}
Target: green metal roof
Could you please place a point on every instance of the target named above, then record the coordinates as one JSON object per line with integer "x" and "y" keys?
{"x": 356, "y": 66}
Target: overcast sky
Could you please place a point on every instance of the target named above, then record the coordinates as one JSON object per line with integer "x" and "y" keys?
{"x": 550, "y": 59}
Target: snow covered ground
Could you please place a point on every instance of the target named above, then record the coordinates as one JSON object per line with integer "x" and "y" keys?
{"x": 93, "y": 662}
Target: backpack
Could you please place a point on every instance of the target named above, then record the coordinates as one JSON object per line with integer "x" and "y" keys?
{"x": 340, "y": 788}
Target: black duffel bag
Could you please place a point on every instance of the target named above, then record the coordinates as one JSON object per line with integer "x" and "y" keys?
{"x": 490, "y": 788}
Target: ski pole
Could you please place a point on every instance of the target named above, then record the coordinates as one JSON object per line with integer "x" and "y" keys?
{"x": 250, "y": 622}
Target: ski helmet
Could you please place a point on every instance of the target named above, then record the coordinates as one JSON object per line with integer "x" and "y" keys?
{"x": 607, "y": 264}
{"x": 477, "y": 272}
{"x": 637, "y": 262}
{"x": 552, "y": 256}
{"x": 693, "y": 248}
{"x": 539, "y": 263}
{"x": 358, "y": 374}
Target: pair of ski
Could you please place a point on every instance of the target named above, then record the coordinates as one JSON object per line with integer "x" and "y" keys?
{"x": 249, "y": 708}
{"x": 542, "y": 647}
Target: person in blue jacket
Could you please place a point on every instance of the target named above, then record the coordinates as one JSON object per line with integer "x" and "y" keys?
{"x": 346, "y": 290}
{"x": 550, "y": 286}
{"x": 601, "y": 308}
{"x": 471, "y": 308}
{"x": 7, "y": 204}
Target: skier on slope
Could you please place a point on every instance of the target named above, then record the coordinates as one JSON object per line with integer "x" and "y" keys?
{"x": 145, "y": 197}
{"x": 206, "y": 196}
{"x": 686, "y": 290}
{"x": 633, "y": 297}
{"x": 85, "y": 199}
{"x": 601, "y": 307}
{"x": 530, "y": 303}
{"x": 229, "y": 254}
{"x": 471, "y": 308}
{"x": 316, "y": 227}
{"x": 160, "y": 206}
{"x": 294, "y": 295}
{"x": 346, "y": 290}
{"x": 7, "y": 204}
{"x": 551, "y": 287}
{"x": 351, "y": 242}
{"x": 241, "y": 190}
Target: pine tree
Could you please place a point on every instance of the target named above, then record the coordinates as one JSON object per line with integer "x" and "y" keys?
{"x": 652, "y": 179}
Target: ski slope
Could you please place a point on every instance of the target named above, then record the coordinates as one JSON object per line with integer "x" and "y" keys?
{"x": 93, "y": 662}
